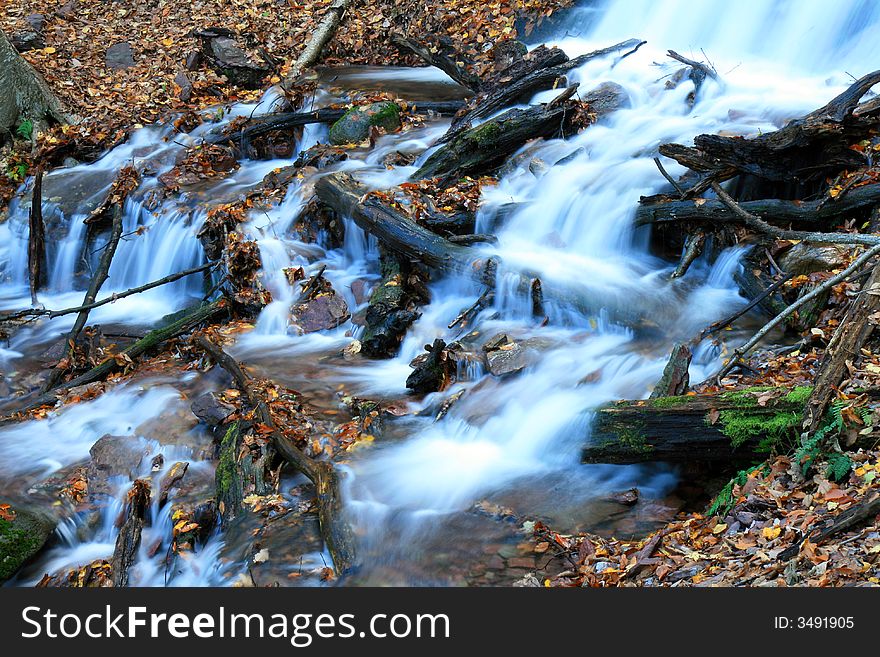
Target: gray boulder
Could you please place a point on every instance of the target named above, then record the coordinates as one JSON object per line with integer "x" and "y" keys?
{"x": 354, "y": 126}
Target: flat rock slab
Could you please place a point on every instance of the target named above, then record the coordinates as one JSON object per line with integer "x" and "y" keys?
{"x": 119, "y": 56}
{"x": 326, "y": 311}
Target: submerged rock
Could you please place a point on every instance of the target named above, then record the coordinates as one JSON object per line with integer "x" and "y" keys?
{"x": 23, "y": 534}
{"x": 354, "y": 126}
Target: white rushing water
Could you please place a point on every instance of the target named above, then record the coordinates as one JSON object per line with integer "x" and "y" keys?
{"x": 573, "y": 229}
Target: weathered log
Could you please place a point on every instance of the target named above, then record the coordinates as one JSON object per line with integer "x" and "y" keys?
{"x": 336, "y": 532}
{"x": 241, "y": 471}
{"x": 188, "y": 321}
{"x": 393, "y": 229}
{"x": 129, "y": 538}
{"x": 287, "y": 121}
{"x": 515, "y": 91}
{"x": 814, "y": 146}
{"x": 36, "y": 239}
{"x": 800, "y": 213}
{"x": 391, "y": 310}
{"x": 843, "y": 349}
{"x": 726, "y": 427}
{"x": 26, "y": 96}
{"x": 478, "y": 150}
{"x": 320, "y": 38}
{"x": 440, "y": 58}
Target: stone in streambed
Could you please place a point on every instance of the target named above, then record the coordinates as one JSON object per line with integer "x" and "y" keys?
{"x": 23, "y": 533}
{"x": 210, "y": 410}
{"x": 326, "y": 311}
{"x": 354, "y": 126}
{"x": 112, "y": 456}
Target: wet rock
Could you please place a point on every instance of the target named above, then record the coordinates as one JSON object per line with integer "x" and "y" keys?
{"x": 606, "y": 98}
{"x": 521, "y": 562}
{"x": 29, "y": 40}
{"x": 119, "y": 56}
{"x": 627, "y": 498}
{"x": 320, "y": 308}
{"x": 112, "y": 456}
{"x": 183, "y": 83}
{"x": 23, "y": 533}
{"x": 805, "y": 258}
{"x": 228, "y": 55}
{"x": 432, "y": 371}
{"x": 354, "y": 126}
{"x": 320, "y": 156}
{"x": 210, "y": 410}
{"x": 504, "y": 356}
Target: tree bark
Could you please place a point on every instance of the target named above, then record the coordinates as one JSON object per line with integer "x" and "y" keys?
{"x": 26, "y": 96}
{"x": 37, "y": 239}
{"x": 320, "y": 38}
{"x": 129, "y": 538}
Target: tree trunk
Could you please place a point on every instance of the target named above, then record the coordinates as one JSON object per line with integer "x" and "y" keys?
{"x": 320, "y": 37}
{"x": 26, "y": 96}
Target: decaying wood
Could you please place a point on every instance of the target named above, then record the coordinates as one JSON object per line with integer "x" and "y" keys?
{"x": 808, "y": 148}
{"x": 36, "y": 239}
{"x": 391, "y": 310}
{"x": 727, "y": 321}
{"x": 675, "y": 429}
{"x": 336, "y": 532}
{"x": 843, "y": 349}
{"x": 187, "y": 322}
{"x": 439, "y": 58}
{"x": 661, "y": 210}
{"x": 523, "y": 88}
{"x": 129, "y": 538}
{"x": 853, "y": 517}
{"x": 320, "y": 38}
{"x": 478, "y": 150}
{"x": 693, "y": 248}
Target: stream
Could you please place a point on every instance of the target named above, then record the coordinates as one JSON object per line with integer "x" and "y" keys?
{"x": 510, "y": 442}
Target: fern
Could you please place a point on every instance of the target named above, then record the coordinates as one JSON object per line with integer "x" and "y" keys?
{"x": 25, "y": 129}
{"x": 839, "y": 466}
{"x": 723, "y": 502}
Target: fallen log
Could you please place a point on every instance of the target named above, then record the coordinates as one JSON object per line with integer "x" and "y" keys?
{"x": 811, "y": 147}
{"x": 843, "y": 350}
{"x": 805, "y": 214}
{"x": 240, "y": 472}
{"x": 393, "y": 229}
{"x": 726, "y": 427}
{"x": 320, "y": 38}
{"x": 523, "y": 88}
{"x": 285, "y": 121}
{"x": 190, "y": 319}
{"x": 478, "y": 150}
{"x": 439, "y": 58}
{"x": 336, "y": 532}
{"x": 129, "y": 538}
{"x": 391, "y": 311}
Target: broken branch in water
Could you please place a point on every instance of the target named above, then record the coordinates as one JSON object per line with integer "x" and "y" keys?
{"x": 336, "y": 532}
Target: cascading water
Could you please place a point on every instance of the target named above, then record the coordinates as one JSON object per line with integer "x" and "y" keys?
{"x": 613, "y": 309}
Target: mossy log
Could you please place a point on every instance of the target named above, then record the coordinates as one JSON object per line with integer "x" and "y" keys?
{"x": 485, "y": 147}
{"x": 129, "y": 538}
{"x": 240, "y": 471}
{"x": 391, "y": 310}
{"x": 809, "y": 148}
{"x": 732, "y": 426}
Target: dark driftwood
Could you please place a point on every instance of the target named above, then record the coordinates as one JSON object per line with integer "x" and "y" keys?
{"x": 811, "y": 147}
{"x": 844, "y": 348}
{"x": 391, "y": 310}
{"x": 264, "y": 125}
{"x": 190, "y": 319}
{"x": 100, "y": 276}
{"x": 851, "y": 518}
{"x": 674, "y": 429}
{"x": 37, "y": 239}
{"x": 515, "y": 91}
{"x": 800, "y": 213}
{"x": 129, "y": 538}
{"x": 336, "y": 532}
{"x": 480, "y": 149}
{"x": 445, "y": 61}
{"x": 395, "y": 230}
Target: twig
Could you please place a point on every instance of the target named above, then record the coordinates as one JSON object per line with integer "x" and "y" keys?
{"x": 671, "y": 180}
{"x": 717, "y": 326}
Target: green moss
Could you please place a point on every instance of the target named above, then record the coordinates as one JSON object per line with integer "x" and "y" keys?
{"x": 226, "y": 477}
{"x": 21, "y": 539}
{"x": 485, "y": 134}
{"x": 743, "y": 426}
{"x": 667, "y": 402}
{"x": 799, "y": 395}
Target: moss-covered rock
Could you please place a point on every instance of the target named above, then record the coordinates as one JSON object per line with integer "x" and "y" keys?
{"x": 354, "y": 126}
{"x": 21, "y": 538}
